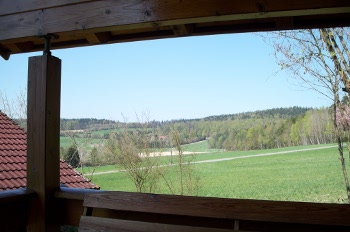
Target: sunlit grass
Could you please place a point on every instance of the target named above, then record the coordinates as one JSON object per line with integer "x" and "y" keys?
{"x": 201, "y": 146}
{"x": 83, "y": 143}
{"x": 313, "y": 176}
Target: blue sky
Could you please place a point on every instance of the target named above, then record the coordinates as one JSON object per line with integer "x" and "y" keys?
{"x": 167, "y": 79}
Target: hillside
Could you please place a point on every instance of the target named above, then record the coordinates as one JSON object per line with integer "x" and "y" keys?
{"x": 269, "y": 113}
{"x": 102, "y": 124}
{"x": 86, "y": 124}
{"x": 264, "y": 129}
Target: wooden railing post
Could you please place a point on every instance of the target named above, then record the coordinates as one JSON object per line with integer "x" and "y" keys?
{"x": 43, "y": 164}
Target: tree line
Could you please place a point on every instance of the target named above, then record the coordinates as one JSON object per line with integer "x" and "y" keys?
{"x": 272, "y": 128}
{"x": 86, "y": 124}
{"x": 312, "y": 127}
{"x": 264, "y": 129}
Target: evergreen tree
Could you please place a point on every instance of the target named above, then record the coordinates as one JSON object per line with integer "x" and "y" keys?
{"x": 72, "y": 156}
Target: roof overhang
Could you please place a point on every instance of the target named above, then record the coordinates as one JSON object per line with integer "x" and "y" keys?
{"x": 84, "y": 23}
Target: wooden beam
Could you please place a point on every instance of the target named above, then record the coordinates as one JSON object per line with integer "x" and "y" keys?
{"x": 19, "y": 47}
{"x": 235, "y": 209}
{"x": 286, "y": 22}
{"x": 4, "y": 52}
{"x": 83, "y": 23}
{"x": 110, "y": 13}
{"x": 182, "y": 30}
{"x": 98, "y": 38}
{"x": 88, "y": 224}
{"x": 69, "y": 205}
{"x": 253, "y": 215}
{"x": 13, "y": 47}
{"x": 43, "y": 164}
{"x": 25, "y": 46}
{"x": 13, "y": 219}
{"x": 20, "y": 6}
{"x": 92, "y": 38}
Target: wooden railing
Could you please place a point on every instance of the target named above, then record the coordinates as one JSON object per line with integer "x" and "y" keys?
{"x": 251, "y": 215}
{"x": 14, "y": 206}
{"x": 69, "y": 205}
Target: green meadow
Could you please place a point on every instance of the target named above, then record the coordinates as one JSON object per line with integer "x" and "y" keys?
{"x": 201, "y": 146}
{"x": 306, "y": 175}
{"x": 86, "y": 143}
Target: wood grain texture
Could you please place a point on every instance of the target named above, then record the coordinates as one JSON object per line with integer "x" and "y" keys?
{"x": 86, "y": 23}
{"x": 257, "y": 210}
{"x": 19, "y": 6}
{"x": 44, "y": 81}
{"x": 107, "y": 224}
{"x": 110, "y": 13}
{"x": 43, "y": 164}
{"x": 70, "y": 207}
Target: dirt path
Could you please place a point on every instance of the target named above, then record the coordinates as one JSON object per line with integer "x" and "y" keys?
{"x": 265, "y": 154}
{"x": 226, "y": 159}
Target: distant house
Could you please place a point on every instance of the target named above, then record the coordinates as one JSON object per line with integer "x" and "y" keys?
{"x": 159, "y": 137}
{"x": 13, "y": 160}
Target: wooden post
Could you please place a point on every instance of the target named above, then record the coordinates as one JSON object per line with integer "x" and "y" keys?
{"x": 43, "y": 158}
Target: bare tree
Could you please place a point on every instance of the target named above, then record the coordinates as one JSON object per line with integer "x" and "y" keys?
{"x": 137, "y": 151}
{"x": 319, "y": 60}
{"x": 94, "y": 160}
{"x": 186, "y": 181}
{"x": 82, "y": 142}
{"x": 15, "y": 108}
{"x": 133, "y": 150}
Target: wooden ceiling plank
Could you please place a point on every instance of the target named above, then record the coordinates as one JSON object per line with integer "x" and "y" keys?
{"x": 20, "y": 6}
{"x": 109, "y": 13}
{"x": 84, "y": 22}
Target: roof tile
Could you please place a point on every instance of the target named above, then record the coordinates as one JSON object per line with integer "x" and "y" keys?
{"x": 13, "y": 159}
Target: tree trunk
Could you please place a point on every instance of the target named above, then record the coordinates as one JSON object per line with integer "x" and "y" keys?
{"x": 340, "y": 148}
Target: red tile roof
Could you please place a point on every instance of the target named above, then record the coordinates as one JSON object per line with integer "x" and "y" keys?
{"x": 13, "y": 159}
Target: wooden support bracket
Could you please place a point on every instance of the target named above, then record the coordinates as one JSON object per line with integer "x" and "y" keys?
{"x": 182, "y": 30}
{"x": 4, "y": 53}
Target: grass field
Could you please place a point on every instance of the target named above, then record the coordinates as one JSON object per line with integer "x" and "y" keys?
{"x": 88, "y": 144}
{"x": 313, "y": 176}
{"x": 201, "y": 146}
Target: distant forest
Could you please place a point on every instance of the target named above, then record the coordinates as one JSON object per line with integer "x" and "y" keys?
{"x": 272, "y": 128}
{"x": 90, "y": 124}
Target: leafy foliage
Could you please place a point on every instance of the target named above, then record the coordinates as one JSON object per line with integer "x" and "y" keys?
{"x": 87, "y": 123}
{"x": 319, "y": 58}
{"x": 72, "y": 156}
{"x": 272, "y": 128}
